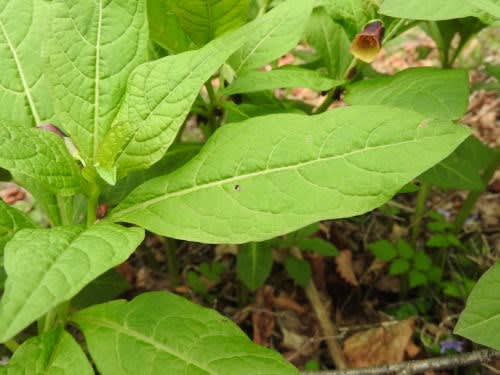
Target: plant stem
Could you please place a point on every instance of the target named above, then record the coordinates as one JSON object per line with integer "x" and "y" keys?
{"x": 411, "y": 367}
{"x": 470, "y": 202}
{"x": 330, "y": 98}
{"x": 438, "y": 39}
{"x": 263, "y": 8}
{"x": 393, "y": 30}
{"x": 423, "y": 193}
{"x": 171, "y": 247}
{"x": 12, "y": 345}
{"x": 327, "y": 326}
{"x": 92, "y": 202}
{"x": 212, "y": 105}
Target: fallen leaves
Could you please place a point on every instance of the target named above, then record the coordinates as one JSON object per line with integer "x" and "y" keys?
{"x": 378, "y": 346}
{"x": 344, "y": 267}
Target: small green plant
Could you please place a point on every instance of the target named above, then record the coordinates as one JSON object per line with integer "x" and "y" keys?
{"x": 404, "y": 260}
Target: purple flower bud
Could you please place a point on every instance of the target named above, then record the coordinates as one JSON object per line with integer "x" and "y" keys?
{"x": 367, "y": 44}
{"x": 451, "y": 344}
{"x": 53, "y": 129}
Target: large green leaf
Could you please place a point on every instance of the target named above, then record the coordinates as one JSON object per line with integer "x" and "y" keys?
{"x": 158, "y": 331}
{"x": 463, "y": 168}
{"x": 204, "y": 20}
{"x": 437, "y": 93}
{"x": 271, "y": 175}
{"x": 23, "y": 93}
{"x": 480, "y": 321}
{"x": 289, "y": 77}
{"x": 254, "y": 264}
{"x": 165, "y": 28}
{"x": 428, "y": 9}
{"x": 330, "y": 42}
{"x": 160, "y": 94}
{"x": 11, "y": 221}
{"x": 53, "y": 353}
{"x": 46, "y": 267}
{"x": 280, "y": 30}
{"x": 92, "y": 46}
{"x": 41, "y": 155}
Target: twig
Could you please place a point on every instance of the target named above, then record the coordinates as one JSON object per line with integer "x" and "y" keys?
{"x": 327, "y": 326}
{"x": 411, "y": 367}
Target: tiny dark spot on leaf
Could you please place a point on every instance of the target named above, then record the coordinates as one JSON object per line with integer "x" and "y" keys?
{"x": 237, "y": 188}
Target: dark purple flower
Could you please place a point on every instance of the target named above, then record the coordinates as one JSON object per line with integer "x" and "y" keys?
{"x": 367, "y": 44}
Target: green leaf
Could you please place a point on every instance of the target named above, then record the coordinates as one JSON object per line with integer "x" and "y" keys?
{"x": 175, "y": 157}
{"x": 463, "y": 169}
{"x": 437, "y": 93}
{"x": 422, "y": 261}
{"x": 23, "y": 89}
{"x": 399, "y": 266}
{"x": 353, "y": 15}
{"x": 204, "y": 20}
{"x": 46, "y": 267}
{"x": 319, "y": 246}
{"x": 91, "y": 48}
{"x": 330, "y": 42}
{"x": 40, "y": 155}
{"x": 383, "y": 250}
{"x": 417, "y": 278}
{"x": 158, "y": 331}
{"x": 302, "y": 170}
{"x": 280, "y": 30}
{"x": 288, "y": 77}
{"x": 165, "y": 28}
{"x": 254, "y": 264}
{"x": 491, "y": 7}
{"x": 298, "y": 269}
{"x": 428, "y": 9}
{"x": 237, "y": 113}
{"x": 53, "y": 353}
{"x": 11, "y": 221}
{"x": 405, "y": 250}
{"x": 480, "y": 320}
{"x": 103, "y": 289}
{"x": 159, "y": 97}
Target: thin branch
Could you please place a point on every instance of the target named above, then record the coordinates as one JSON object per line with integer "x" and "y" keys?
{"x": 327, "y": 326}
{"x": 412, "y": 367}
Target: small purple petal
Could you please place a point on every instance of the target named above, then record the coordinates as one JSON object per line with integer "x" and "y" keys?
{"x": 451, "y": 344}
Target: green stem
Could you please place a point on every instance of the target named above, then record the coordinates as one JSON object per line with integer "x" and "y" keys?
{"x": 438, "y": 38}
{"x": 263, "y": 8}
{"x": 92, "y": 202}
{"x": 65, "y": 208}
{"x": 212, "y": 105}
{"x": 423, "y": 193}
{"x": 470, "y": 202}
{"x": 12, "y": 345}
{"x": 171, "y": 247}
{"x": 393, "y": 30}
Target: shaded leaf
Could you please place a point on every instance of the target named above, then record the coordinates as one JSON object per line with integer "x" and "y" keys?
{"x": 399, "y": 266}
{"x": 319, "y": 246}
{"x": 253, "y": 81}
{"x": 383, "y": 250}
{"x": 254, "y": 263}
{"x": 463, "y": 169}
{"x": 438, "y": 93}
{"x": 299, "y": 269}
{"x": 428, "y": 9}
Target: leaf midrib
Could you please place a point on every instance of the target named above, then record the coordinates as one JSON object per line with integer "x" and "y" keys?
{"x": 97, "y": 80}
{"x": 166, "y": 196}
{"x": 143, "y": 338}
{"x": 20, "y": 70}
